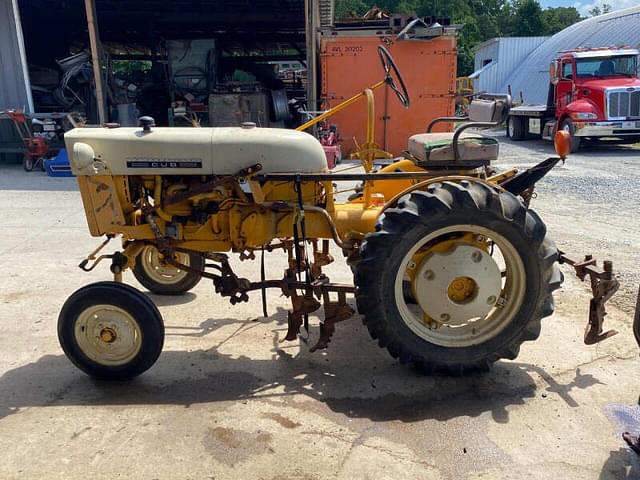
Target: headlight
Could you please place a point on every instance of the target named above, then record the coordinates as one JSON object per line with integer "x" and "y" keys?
{"x": 583, "y": 116}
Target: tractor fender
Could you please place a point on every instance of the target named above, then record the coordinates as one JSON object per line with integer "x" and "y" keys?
{"x": 423, "y": 186}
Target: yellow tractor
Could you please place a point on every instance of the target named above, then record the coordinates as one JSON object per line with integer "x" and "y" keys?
{"x": 464, "y": 92}
{"x": 452, "y": 270}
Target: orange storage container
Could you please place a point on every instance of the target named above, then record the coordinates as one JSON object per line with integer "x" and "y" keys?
{"x": 351, "y": 63}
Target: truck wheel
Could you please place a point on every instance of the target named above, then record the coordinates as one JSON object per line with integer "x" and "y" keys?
{"x": 111, "y": 331}
{"x": 479, "y": 267}
{"x": 567, "y": 126}
{"x": 515, "y": 128}
{"x": 165, "y": 279}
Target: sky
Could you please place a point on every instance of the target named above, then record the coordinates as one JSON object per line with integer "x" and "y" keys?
{"x": 583, "y": 6}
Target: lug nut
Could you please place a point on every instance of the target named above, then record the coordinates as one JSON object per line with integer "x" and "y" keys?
{"x": 428, "y": 275}
{"x": 476, "y": 257}
{"x": 445, "y": 317}
{"x": 491, "y": 300}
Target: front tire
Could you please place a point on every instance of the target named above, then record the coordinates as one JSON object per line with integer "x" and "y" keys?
{"x": 436, "y": 234}
{"x": 110, "y": 331}
{"x": 165, "y": 279}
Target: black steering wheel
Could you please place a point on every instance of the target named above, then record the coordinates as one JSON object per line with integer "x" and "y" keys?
{"x": 388, "y": 64}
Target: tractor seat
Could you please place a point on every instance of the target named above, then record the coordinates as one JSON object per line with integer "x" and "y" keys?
{"x": 460, "y": 149}
{"x": 438, "y": 147}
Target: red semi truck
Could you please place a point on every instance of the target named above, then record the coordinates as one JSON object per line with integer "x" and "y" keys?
{"x": 592, "y": 93}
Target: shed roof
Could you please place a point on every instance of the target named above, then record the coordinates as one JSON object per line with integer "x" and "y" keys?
{"x": 145, "y": 22}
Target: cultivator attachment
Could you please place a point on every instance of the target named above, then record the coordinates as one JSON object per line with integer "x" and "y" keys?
{"x": 603, "y": 285}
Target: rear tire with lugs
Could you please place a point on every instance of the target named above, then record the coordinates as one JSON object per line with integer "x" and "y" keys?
{"x": 437, "y": 235}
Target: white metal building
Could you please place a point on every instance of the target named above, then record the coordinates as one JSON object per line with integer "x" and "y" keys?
{"x": 495, "y": 59}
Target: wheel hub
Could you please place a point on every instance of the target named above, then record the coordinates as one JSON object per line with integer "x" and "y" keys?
{"x": 458, "y": 285}
{"x": 159, "y": 270}
{"x": 108, "y": 335}
{"x": 462, "y": 289}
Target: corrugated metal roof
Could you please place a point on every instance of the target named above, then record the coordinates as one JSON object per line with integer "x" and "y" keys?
{"x": 532, "y": 76}
{"x": 485, "y": 44}
{"x": 506, "y": 54}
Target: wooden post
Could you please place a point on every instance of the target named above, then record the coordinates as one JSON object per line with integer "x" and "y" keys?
{"x": 311, "y": 26}
{"x": 96, "y": 55}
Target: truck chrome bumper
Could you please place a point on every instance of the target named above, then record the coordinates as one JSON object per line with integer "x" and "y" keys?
{"x": 607, "y": 129}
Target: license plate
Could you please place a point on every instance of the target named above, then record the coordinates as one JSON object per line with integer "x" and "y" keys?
{"x": 630, "y": 124}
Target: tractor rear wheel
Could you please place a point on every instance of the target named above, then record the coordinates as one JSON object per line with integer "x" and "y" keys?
{"x": 111, "y": 331}
{"x": 480, "y": 270}
{"x": 165, "y": 279}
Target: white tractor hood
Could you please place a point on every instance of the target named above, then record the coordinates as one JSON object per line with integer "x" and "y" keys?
{"x": 191, "y": 151}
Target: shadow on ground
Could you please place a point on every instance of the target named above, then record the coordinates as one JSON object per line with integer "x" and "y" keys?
{"x": 617, "y": 466}
{"x": 353, "y": 377}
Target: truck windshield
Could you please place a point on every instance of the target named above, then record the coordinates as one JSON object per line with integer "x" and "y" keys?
{"x": 605, "y": 67}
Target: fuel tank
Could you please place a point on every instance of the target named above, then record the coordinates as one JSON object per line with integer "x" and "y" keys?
{"x": 191, "y": 151}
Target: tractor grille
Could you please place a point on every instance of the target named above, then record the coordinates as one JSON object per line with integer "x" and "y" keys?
{"x": 624, "y": 104}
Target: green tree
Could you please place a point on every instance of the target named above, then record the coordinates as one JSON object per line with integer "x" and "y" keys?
{"x": 559, "y": 18}
{"x": 482, "y": 19}
{"x": 529, "y": 19}
{"x": 595, "y": 11}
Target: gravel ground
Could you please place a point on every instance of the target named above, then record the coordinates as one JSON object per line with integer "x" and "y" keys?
{"x": 590, "y": 204}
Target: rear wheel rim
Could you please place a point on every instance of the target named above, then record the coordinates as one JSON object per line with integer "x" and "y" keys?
{"x": 475, "y": 330}
{"x": 510, "y": 127}
{"x": 160, "y": 272}
{"x": 108, "y": 335}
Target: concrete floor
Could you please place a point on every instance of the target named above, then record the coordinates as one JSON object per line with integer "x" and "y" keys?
{"x": 226, "y": 400}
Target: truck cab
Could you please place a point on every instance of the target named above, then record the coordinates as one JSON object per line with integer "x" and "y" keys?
{"x": 592, "y": 93}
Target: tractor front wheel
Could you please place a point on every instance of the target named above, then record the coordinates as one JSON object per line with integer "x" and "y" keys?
{"x": 111, "y": 331}
{"x": 456, "y": 277}
{"x": 165, "y": 279}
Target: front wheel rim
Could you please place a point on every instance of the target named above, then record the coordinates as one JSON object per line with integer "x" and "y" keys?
{"x": 475, "y": 330}
{"x": 108, "y": 335}
{"x": 510, "y": 127}
{"x": 160, "y": 272}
